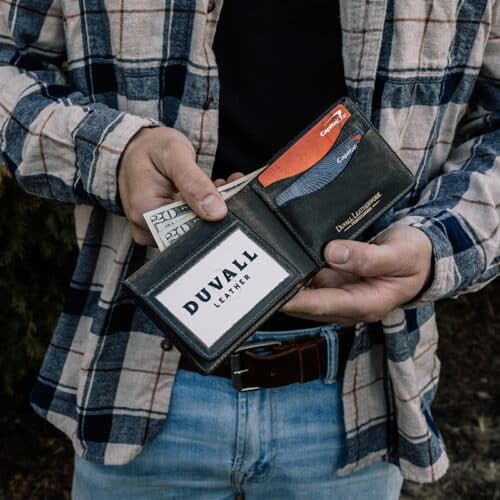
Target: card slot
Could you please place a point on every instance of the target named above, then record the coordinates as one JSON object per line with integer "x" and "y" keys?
{"x": 355, "y": 123}
{"x": 309, "y": 146}
{"x": 325, "y": 171}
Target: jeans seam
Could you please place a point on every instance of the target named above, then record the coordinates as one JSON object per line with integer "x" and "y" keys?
{"x": 237, "y": 478}
{"x": 332, "y": 356}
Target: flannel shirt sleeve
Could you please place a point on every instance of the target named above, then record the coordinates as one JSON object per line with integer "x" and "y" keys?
{"x": 55, "y": 140}
{"x": 460, "y": 209}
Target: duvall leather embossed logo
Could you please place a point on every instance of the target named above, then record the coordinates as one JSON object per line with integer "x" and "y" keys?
{"x": 359, "y": 214}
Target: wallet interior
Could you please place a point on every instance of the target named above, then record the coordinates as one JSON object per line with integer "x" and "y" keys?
{"x": 216, "y": 286}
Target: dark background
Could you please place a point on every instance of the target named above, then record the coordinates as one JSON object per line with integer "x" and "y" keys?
{"x": 37, "y": 255}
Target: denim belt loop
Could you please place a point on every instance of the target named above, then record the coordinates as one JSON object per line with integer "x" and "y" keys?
{"x": 330, "y": 332}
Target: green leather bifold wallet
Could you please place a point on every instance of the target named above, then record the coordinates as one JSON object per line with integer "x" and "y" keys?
{"x": 216, "y": 284}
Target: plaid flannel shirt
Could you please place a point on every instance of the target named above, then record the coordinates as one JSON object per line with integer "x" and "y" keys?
{"x": 426, "y": 72}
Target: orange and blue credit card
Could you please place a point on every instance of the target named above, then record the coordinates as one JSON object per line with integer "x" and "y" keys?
{"x": 323, "y": 172}
{"x": 309, "y": 149}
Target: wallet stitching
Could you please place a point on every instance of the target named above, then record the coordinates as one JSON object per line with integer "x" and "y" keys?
{"x": 388, "y": 205}
{"x": 149, "y": 297}
{"x": 371, "y": 218}
{"x": 178, "y": 272}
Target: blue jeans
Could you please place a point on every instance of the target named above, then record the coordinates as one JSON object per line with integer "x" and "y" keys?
{"x": 281, "y": 443}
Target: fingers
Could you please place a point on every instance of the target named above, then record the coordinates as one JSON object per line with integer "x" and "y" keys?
{"x": 177, "y": 162}
{"x": 142, "y": 236}
{"x": 350, "y": 304}
{"x": 142, "y": 189}
{"x": 318, "y": 305}
{"x": 158, "y": 167}
{"x": 329, "y": 278}
{"x": 338, "y": 320}
{"x": 366, "y": 281}
{"x": 234, "y": 176}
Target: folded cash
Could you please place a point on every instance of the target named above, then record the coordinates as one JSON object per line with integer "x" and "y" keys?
{"x": 170, "y": 221}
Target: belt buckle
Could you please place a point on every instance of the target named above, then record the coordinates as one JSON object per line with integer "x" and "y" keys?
{"x": 237, "y": 371}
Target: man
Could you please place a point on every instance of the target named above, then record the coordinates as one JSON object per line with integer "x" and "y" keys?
{"x": 135, "y": 124}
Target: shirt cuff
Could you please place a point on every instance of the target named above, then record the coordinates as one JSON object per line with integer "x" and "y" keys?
{"x": 442, "y": 283}
{"x": 99, "y": 143}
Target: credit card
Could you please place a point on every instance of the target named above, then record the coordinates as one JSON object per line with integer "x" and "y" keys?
{"x": 324, "y": 172}
{"x": 307, "y": 150}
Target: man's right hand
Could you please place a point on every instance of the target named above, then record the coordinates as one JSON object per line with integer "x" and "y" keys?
{"x": 157, "y": 167}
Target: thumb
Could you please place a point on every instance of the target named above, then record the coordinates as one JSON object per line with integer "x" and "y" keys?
{"x": 194, "y": 185}
{"x": 362, "y": 259}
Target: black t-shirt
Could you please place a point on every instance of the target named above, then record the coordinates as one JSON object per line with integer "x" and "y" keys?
{"x": 280, "y": 66}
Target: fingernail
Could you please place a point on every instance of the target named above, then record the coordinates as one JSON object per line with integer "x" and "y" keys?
{"x": 214, "y": 206}
{"x": 338, "y": 254}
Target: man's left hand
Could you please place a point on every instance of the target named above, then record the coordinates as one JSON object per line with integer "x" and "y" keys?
{"x": 365, "y": 281}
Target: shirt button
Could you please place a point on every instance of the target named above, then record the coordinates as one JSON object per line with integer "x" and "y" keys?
{"x": 210, "y": 6}
{"x": 208, "y": 103}
{"x": 166, "y": 344}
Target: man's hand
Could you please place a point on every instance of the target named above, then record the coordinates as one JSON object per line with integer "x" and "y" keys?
{"x": 158, "y": 167}
{"x": 365, "y": 281}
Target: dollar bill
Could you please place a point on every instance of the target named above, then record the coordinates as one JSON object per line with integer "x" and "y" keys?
{"x": 181, "y": 227}
{"x": 169, "y": 222}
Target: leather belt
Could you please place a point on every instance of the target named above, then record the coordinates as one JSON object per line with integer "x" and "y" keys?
{"x": 282, "y": 363}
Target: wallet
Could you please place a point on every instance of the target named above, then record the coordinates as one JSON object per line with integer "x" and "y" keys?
{"x": 216, "y": 284}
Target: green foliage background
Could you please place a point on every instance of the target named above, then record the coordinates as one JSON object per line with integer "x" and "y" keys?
{"x": 37, "y": 255}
